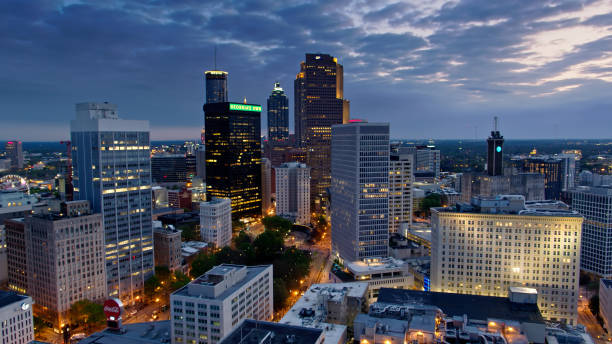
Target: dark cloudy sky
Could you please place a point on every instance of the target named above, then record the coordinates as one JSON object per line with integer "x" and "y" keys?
{"x": 433, "y": 69}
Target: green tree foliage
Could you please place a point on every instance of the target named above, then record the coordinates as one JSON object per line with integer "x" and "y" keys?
{"x": 190, "y": 231}
{"x": 277, "y": 223}
{"x": 292, "y": 266}
{"x": 180, "y": 280}
{"x": 320, "y": 225}
{"x": 87, "y": 313}
{"x": 268, "y": 245}
{"x": 431, "y": 201}
{"x": 163, "y": 273}
{"x": 594, "y": 304}
{"x": 150, "y": 285}
{"x": 202, "y": 263}
{"x": 281, "y": 294}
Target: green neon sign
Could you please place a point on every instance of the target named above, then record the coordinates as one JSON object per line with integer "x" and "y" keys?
{"x": 244, "y": 107}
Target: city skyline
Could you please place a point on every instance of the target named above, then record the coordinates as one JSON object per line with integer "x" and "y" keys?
{"x": 456, "y": 64}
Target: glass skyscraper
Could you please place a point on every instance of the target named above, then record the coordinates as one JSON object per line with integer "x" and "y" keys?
{"x": 216, "y": 86}
{"x": 319, "y": 104}
{"x": 111, "y": 162}
{"x": 278, "y": 115}
{"x": 360, "y": 190}
{"x": 233, "y": 156}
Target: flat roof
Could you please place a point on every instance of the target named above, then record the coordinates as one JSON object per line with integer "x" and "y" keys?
{"x": 154, "y": 332}
{"x": 253, "y": 331}
{"x": 477, "y": 307}
{"x": 383, "y": 265}
{"x": 9, "y": 297}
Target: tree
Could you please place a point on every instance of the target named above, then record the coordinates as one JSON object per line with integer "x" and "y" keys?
{"x": 594, "y": 304}
{"x": 189, "y": 232}
{"x": 431, "y": 201}
{"x": 267, "y": 245}
{"x": 292, "y": 266}
{"x": 202, "y": 263}
{"x": 150, "y": 285}
{"x": 277, "y": 223}
{"x": 179, "y": 280}
{"x": 86, "y": 313}
{"x": 163, "y": 273}
{"x": 280, "y": 293}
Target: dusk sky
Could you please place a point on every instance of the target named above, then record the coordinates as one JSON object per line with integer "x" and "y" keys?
{"x": 433, "y": 69}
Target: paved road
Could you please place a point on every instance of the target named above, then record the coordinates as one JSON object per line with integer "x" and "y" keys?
{"x": 586, "y": 318}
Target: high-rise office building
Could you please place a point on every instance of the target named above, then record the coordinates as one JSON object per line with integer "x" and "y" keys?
{"x": 319, "y": 104}
{"x": 16, "y": 319}
{"x": 216, "y": 86}
{"x": 595, "y": 204}
{"x": 169, "y": 168}
{"x": 16, "y": 259}
{"x": 216, "y": 222}
{"x": 200, "y": 155}
{"x": 278, "y": 115}
{"x": 212, "y": 305}
{"x": 266, "y": 186}
{"x": 494, "y": 243}
{"x": 360, "y": 190}
{"x": 400, "y": 192}
{"x": 61, "y": 272}
{"x": 233, "y": 156}
{"x": 111, "y": 163}
{"x": 14, "y": 151}
{"x": 293, "y": 192}
{"x": 559, "y": 171}
{"x": 495, "y": 157}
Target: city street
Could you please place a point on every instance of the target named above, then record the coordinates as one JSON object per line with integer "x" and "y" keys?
{"x": 586, "y": 318}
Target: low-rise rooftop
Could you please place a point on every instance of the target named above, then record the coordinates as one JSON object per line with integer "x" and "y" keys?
{"x": 259, "y": 332}
{"x": 156, "y": 332}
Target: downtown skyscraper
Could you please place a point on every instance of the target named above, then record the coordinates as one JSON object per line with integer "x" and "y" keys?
{"x": 319, "y": 104}
{"x": 216, "y": 86}
{"x": 111, "y": 163}
{"x": 278, "y": 115}
{"x": 360, "y": 191}
{"x": 233, "y": 156}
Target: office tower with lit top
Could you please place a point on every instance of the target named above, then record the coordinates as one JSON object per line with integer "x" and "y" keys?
{"x": 216, "y": 86}
{"x": 111, "y": 163}
{"x": 233, "y": 156}
{"x": 14, "y": 151}
{"x": 278, "y": 115}
{"x": 319, "y": 104}
{"x": 492, "y": 244}
{"x": 360, "y": 190}
{"x": 494, "y": 152}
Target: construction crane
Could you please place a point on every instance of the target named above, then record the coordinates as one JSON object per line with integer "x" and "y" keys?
{"x": 69, "y": 186}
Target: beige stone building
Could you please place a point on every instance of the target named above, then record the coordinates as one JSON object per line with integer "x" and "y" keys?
{"x": 495, "y": 243}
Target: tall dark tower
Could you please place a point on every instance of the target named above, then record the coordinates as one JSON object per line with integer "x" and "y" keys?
{"x": 233, "y": 155}
{"x": 278, "y": 115}
{"x": 319, "y": 104}
{"x": 495, "y": 152}
{"x": 216, "y": 86}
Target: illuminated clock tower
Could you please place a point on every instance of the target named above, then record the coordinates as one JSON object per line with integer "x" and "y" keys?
{"x": 495, "y": 145}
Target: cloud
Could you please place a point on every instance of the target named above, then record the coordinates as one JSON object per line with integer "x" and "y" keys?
{"x": 456, "y": 61}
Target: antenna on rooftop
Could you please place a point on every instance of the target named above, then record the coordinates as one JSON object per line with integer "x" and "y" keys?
{"x": 495, "y": 122}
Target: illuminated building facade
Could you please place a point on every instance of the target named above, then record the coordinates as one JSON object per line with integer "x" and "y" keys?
{"x": 278, "y": 115}
{"x": 61, "y": 273}
{"x": 216, "y": 86}
{"x": 495, "y": 243}
{"x": 559, "y": 171}
{"x": 400, "y": 191}
{"x": 216, "y": 222}
{"x": 111, "y": 163}
{"x": 319, "y": 104}
{"x": 360, "y": 190}
{"x": 595, "y": 204}
{"x": 293, "y": 192}
{"x": 233, "y": 156}
{"x": 169, "y": 168}
{"x": 16, "y": 260}
{"x": 14, "y": 151}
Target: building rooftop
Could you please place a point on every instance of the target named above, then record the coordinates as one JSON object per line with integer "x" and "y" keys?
{"x": 459, "y": 304}
{"x": 509, "y": 205}
{"x": 156, "y": 332}
{"x": 258, "y": 332}
{"x": 8, "y": 297}
{"x": 310, "y": 309}
{"x": 380, "y": 265}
